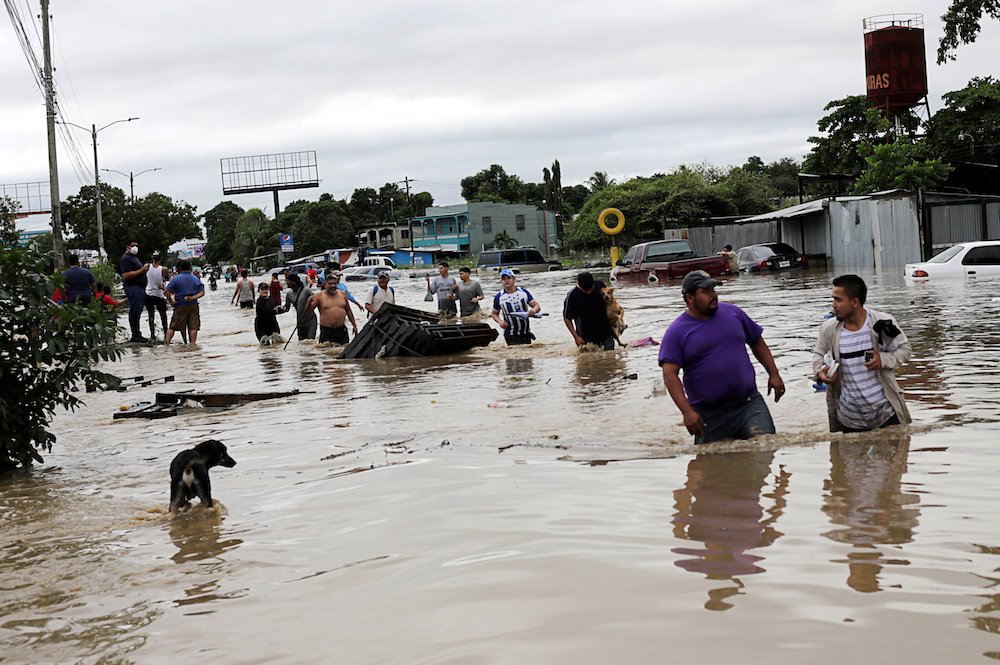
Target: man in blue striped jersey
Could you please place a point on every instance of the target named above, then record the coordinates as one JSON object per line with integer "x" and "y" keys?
{"x": 517, "y": 306}
{"x": 856, "y": 353}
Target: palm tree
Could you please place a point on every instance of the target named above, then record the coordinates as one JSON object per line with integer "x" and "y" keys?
{"x": 504, "y": 241}
{"x": 599, "y": 181}
{"x": 255, "y": 235}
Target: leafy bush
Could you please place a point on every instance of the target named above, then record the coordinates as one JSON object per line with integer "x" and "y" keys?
{"x": 47, "y": 351}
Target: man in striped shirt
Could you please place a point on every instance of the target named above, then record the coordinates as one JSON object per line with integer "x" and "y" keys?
{"x": 517, "y": 306}
{"x": 856, "y": 354}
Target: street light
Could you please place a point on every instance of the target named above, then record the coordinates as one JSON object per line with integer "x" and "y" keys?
{"x": 97, "y": 177}
{"x": 131, "y": 179}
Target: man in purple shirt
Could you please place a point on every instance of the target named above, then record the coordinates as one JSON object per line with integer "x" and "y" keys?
{"x": 718, "y": 398}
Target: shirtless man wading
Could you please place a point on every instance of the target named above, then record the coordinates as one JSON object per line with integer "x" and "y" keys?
{"x": 334, "y": 309}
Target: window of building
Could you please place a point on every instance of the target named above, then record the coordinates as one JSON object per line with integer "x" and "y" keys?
{"x": 519, "y": 222}
{"x": 487, "y": 225}
{"x": 404, "y": 234}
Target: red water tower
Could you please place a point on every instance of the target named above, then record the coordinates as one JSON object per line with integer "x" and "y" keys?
{"x": 895, "y": 62}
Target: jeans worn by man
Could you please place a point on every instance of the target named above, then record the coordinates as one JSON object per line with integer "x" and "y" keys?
{"x": 718, "y": 397}
{"x": 133, "y": 273}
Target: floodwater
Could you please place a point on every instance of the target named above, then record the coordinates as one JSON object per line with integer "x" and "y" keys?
{"x": 389, "y": 515}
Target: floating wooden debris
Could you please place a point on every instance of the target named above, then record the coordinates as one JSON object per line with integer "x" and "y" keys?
{"x": 141, "y": 382}
{"x": 400, "y": 331}
{"x": 167, "y": 404}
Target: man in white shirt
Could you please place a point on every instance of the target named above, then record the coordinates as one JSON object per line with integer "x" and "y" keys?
{"x": 864, "y": 346}
{"x": 379, "y": 294}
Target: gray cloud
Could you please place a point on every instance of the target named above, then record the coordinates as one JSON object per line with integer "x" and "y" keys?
{"x": 437, "y": 90}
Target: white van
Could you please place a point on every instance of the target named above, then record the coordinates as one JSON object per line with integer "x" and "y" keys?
{"x": 378, "y": 261}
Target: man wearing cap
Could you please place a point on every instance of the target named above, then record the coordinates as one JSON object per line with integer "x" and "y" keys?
{"x": 517, "y": 306}
{"x": 156, "y": 301}
{"x": 718, "y": 397}
{"x": 380, "y": 294}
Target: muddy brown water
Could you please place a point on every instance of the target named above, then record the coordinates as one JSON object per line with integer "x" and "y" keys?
{"x": 389, "y": 515}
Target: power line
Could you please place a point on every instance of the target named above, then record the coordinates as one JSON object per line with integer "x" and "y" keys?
{"x": 25, "y": 41}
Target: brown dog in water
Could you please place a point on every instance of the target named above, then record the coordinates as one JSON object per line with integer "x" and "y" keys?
{"x": 614, "y": 312}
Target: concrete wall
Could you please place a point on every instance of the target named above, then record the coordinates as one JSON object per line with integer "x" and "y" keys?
{"x": 503, "y": 217}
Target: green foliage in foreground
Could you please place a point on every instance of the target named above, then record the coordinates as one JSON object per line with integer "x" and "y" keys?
{"x": 47, "y": 351}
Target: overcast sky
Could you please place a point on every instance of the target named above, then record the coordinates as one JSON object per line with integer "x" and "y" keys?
{"x": 438, "y": 90}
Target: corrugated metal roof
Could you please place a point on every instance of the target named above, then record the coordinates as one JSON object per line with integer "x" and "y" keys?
{"x": 818, "y": 205}
{"x": 801, "y": 210}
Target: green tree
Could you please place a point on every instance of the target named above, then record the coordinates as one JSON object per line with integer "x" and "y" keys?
{"x": 599, "y": 181}
{"x": 851, "y": 121}
{"x": 364, "y": 207}
{"x": 79, "y": 217}
{"x": 157, "y": 222}
{"x": 899, "y": 165}
{"x": 783, "y": 176}
{"x": 419, "y": 203}
{"x": 650, "y": 205}
{"x": 968, "y": 127}
{"x": 255, "y": 235}
{"x": 154, "y": 220}
{"x": 493, "y": 184}
{"x": 318, "y": 225}
{"x": 47, "y": 351}
{"x": 220, "y": 228}
{"x": 961, "y": 25}
{"x": 573, "y": 199}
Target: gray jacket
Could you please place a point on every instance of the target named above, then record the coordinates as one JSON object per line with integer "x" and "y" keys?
{"x": 892, "y": 352}
{"x": 305, "y": 320}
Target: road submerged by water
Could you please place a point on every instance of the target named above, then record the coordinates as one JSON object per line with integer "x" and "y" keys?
{"x": 389, "y": 514}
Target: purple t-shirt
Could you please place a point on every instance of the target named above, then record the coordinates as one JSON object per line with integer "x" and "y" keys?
{"x": 713, "y": 354}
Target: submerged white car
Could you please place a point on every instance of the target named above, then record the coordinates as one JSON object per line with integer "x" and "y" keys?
{"x": 967, "y": 259}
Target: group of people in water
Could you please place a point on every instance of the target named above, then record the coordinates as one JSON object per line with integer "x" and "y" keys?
{"x": 705, "y": 364}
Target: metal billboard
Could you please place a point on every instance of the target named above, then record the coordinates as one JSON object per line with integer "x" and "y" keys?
{"x": 269, "y": 173}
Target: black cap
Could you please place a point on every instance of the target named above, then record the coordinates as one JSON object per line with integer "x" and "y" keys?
{"x": 156, "y": 253}
{"x": 698, "y": 279}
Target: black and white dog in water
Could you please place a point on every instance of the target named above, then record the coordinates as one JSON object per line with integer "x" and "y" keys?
{"x": 189, "y": 473}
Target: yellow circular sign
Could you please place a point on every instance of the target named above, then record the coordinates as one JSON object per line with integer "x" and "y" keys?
{"x": 602, "y": 221}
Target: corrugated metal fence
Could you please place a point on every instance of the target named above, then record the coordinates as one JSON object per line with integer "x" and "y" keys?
{"x": 947, "y": 223}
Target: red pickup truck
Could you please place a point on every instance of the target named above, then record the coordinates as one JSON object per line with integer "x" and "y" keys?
{"x": 663, "y": 260}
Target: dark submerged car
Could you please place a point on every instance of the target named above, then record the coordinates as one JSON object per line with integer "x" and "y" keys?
{"x": 770, "y": 256}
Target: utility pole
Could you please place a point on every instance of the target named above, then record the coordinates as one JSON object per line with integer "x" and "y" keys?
{"x": 97, "y": 183}
{"x": 409, "y": 220}
{"x": 50, "y": 121}
{"x": 97, "y": 177}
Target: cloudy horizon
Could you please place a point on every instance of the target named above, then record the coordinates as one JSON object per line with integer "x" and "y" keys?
{"x": 436, "y": 91}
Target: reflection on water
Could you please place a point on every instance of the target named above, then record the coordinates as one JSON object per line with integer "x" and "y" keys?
{"x": 720, "y": 507}
{"x": 270, "y": 363}
{"x": 366, "y": 484}
{"x": 197, "y": 534}
{"x": 863, "y": 496}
